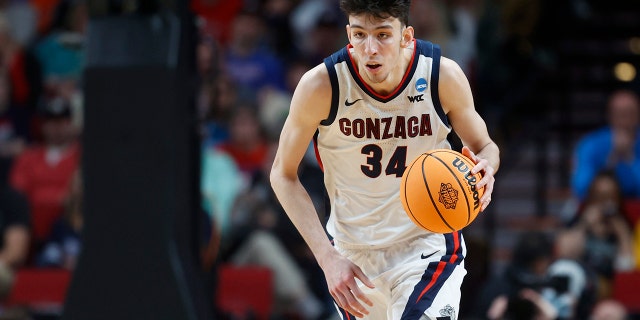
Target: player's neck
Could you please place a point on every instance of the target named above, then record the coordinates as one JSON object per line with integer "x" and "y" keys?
{"x": 394, "y": 79}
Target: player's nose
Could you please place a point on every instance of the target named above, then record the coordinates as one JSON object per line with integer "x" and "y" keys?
{"x": 370, "y": 46}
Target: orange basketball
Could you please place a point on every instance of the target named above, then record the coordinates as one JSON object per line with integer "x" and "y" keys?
{"x": 439, "y": 192}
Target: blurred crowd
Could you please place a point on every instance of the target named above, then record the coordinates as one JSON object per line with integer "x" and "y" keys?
{"x": 250, "y": 56}
{"x": 41, "y": 64}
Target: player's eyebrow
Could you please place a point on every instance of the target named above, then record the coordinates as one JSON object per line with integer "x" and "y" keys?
{"x": 384, "y": 26}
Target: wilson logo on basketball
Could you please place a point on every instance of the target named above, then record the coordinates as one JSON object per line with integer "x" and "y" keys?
{"x": 471, "y": 179}
{"x": 448, "y": 195}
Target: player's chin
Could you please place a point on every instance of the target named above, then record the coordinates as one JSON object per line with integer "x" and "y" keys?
{"x": 376, "y": 78}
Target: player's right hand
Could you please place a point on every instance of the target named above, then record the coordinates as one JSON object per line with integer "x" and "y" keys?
{"x": 340, "y": 274}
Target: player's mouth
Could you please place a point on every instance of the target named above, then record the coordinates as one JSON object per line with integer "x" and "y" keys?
{"x": 373, "y": 67}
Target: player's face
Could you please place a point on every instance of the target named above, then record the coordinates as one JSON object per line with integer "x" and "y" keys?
{"x": 378, "y": 46}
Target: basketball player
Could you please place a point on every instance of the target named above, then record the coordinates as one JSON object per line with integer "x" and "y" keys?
{"x": 372, "y": 108}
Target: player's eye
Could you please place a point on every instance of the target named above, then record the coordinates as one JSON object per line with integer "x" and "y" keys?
{"x": 358, "y": 34}
{"x": 383, "y": 35}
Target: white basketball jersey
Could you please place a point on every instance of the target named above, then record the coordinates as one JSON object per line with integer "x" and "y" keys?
{"x": 368, "y": 141}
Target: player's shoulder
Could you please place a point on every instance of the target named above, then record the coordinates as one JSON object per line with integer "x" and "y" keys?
{"x": 313, "y": 95}
{"x": 452, "y": 79}
{"x": 315, "y": 80}
{"x": 450, "y": 70}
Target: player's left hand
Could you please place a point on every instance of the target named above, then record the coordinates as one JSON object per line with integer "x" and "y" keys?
{"x": 487, "y": 181}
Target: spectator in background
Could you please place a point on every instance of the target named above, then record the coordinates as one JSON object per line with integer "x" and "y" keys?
{"x": 277, "y": 14}
{"x": 62, "y": 248}
{"x": 218, "y": 103}
{"x": 516, "y": 294}
{"x": 44, "y": 172}
{"x": 275, "y": 104}
{"x": 246, "y": 224}
{"x": 325, "y": 36}
{"x": 246, "y": 145}
{"x": 14, "y": 235}
{"x": 61, "y": 52}
{"x": 216, "y": 94}
{"x": 431, "y": 20}
{"x": 259, "y": 235}
{"x": 573, "y": 284}
{"x": 452, "y": 24}
{"x": 462, "y": 46}
{"x": 614, "y": 147}
{"x": 249, "y": 62}
{"x": 609, "y": 243}
{"x": 219, "y": 198}
{"x": 318, "y": 27}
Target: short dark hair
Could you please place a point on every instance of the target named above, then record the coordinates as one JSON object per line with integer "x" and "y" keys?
{"x": 381, "y": 9}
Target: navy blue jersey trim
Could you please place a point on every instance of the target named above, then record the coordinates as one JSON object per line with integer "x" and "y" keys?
{"x": 330, "y": 63}
{"x": 435, "y": 76}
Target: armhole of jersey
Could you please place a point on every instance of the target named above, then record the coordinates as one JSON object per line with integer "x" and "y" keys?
{"x": 335, "y": 93}
{"x": 317, "y": 152}
{"x": 435, "y": 76}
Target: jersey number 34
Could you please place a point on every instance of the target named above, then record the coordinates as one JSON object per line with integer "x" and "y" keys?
{"x": 373, "y": 167}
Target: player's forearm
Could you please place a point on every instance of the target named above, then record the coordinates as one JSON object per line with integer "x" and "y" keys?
{"x": 298, "y": 205}
{"x": 491, "y": 153}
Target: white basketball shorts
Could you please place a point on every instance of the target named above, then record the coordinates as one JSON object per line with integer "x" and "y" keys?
{"x": 416, "y": 279}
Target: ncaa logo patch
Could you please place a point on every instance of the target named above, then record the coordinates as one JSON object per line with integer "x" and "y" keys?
{"x": 421, "y": 85}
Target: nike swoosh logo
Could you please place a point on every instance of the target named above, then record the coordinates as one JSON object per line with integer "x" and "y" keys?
{"x": 348, "y": 104}
{"x": 427, "y": 256}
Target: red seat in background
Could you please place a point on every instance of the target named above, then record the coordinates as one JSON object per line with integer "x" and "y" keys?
{"x": 632, "y": 210}
{"x": 40, "y": 289}
{"x": 625, "y": 290}
{"x": 244, "y": 290}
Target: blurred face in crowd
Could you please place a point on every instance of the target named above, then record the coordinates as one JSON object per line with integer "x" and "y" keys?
{"x": 604, "y": 190}
{"x": 226, "y": 95}
{"x": 246, "y": 32}
{"x": 624, "y": 110}
{"x": 245, "y": 129}
{"x": 58, "y": 131}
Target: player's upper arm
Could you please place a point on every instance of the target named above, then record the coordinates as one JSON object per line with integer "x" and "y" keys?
{"x": 457, "y": 101}
{"x": 310, "y": 105}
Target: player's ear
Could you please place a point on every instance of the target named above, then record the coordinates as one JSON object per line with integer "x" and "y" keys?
{"x": 407, "y": 36}
{"x": 348, "y": 29}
